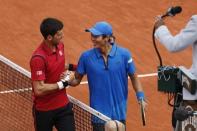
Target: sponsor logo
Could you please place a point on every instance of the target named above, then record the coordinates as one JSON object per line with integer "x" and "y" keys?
{"x": 60, "y": 52}
{"x": 130, "y": 60}
{"x": 38, "y": 73}
{"x": 190, "y": 124}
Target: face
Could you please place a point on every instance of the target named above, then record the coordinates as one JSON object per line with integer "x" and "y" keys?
{"x": 98, "y": 41}
{"x": 57, "y": 38}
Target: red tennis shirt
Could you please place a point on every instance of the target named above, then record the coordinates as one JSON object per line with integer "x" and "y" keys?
{"x": 47, "y": 66}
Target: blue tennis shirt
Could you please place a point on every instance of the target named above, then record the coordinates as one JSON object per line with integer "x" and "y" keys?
{"x": 108, "y": 83}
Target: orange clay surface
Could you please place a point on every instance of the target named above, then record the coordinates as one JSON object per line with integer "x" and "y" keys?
{"x": 132, "y": 22}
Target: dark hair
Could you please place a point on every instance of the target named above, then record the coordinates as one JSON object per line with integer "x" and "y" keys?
{"x": 50, "y": 26}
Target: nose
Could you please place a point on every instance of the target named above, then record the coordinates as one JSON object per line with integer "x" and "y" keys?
{"x": 92, "y": 38}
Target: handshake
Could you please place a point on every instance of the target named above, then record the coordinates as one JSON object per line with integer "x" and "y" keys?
{"x": 65, "y": 77}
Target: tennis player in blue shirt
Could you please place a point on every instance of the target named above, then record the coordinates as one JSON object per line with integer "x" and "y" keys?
{"x": 107, "y": 66}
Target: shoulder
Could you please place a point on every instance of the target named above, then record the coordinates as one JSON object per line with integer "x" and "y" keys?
{"x": 194, "y": 17}
{"x": 39, "y": 51}
{"x": 37, "y": 58}
{"x": 37, "y": 62}
{"x": 123, "y": 51}
{"x": 88, "y": 53}
{"x": 38, "y": 55}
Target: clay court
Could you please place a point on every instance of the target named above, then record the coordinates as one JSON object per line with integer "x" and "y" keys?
{"x": 132, "y": 22}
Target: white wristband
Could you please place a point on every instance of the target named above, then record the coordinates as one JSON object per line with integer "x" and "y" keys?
{"x": 60, "y": 85}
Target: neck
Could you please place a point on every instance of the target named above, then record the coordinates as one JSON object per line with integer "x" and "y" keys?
{"x": 106, "y": 49}
{"x": 50, "y": 45}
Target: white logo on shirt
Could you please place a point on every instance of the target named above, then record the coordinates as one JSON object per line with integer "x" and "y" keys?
{"x": 60, "y": 52}
{"x": 130, "y": 60}
{"x": 38, "y": 73}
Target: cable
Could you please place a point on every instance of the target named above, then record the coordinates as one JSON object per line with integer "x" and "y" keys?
{"x": 155, "y": 47}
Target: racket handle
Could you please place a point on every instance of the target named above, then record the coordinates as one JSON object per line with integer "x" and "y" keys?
{"x": 142, "y": 112}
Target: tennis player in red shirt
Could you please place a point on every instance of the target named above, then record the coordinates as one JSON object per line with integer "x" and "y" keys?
{"x": 51, "y": 105}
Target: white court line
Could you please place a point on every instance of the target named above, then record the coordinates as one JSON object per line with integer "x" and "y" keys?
{"x": 28, "y": 74}
{"x": 82, "y": 83}
{"x": 147, "y": 75}
{"x": 15, "y": 90}
{"x": 140, "y": 76}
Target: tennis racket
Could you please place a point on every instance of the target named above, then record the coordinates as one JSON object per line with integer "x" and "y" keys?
{"x": 143, "y": 115}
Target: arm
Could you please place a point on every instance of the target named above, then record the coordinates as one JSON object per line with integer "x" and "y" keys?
{"x": 135, "y": 82}
{"x": 183, "y": 39}
{"x": 137, "y": 86}
{"x": 40, "y": 88}
{"x": 76, "y": 81}
{"x": 80, "y": 71}
{"x": 130, "y": 67}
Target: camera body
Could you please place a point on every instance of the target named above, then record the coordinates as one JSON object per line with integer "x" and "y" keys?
{"x": 188, "y": 80}
{"x": 167, "y": 79}
{"x": 172, "y": 79}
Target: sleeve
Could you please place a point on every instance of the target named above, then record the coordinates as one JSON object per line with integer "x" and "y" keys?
{"x": 81, "y": 68}
{"x": 183, "y": 39}
{"x": 37, "y": 66}
{"x": 130, "y": 66}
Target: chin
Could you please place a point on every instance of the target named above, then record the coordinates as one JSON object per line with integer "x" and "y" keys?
{"x": 55, "y": 44}
{"x": 95, "y": 46}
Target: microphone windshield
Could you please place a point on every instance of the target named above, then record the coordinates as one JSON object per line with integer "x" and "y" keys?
{"x": 175, "y": 10}
{"x": 172, "y": 11}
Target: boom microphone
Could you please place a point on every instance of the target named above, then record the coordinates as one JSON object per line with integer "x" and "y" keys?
{"x": 172, "y": 11}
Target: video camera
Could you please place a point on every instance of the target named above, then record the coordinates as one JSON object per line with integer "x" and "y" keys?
{"x": 172, "y": 79}
{"x": 188, "y": 80}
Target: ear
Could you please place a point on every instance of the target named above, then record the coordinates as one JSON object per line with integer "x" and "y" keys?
{"x": 49, "y": 37}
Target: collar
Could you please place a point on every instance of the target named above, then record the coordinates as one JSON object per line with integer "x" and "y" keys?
{"x": 111, "y": 53}
{"x": 49, "y": 50}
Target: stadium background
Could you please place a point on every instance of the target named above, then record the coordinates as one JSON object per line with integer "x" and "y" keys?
{"x": 132, "y": 22}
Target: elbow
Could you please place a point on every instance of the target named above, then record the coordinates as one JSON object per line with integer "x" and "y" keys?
{"x": 38, "y": 92}
{"x": 38, "y": 89}
{"x": 172, "y": 48}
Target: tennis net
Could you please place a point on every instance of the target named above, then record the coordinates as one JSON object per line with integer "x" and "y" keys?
{"x": 16, "y": 102}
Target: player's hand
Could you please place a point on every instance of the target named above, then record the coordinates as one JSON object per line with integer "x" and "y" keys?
{"x": 141, "y": 98}
{"x": 143, "y": 102}
{"x": 159, "y": 22}
{"x": 67, "y": 76}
